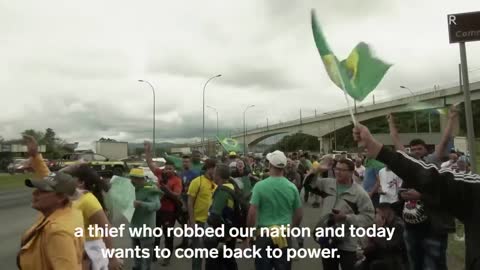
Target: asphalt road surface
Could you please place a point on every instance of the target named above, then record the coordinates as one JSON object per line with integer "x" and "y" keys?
{"x": 16, "y": 216}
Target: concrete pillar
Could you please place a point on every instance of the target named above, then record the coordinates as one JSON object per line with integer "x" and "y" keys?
{"x": 325, "y": 144}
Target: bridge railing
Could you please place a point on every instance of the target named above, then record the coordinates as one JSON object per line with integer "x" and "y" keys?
{"x": 344, "y": 111}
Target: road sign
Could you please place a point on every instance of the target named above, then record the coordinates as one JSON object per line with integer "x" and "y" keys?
{"x": 464, "y": 27}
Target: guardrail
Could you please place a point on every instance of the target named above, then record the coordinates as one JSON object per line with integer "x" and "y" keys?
{"x": 451, "y": 90}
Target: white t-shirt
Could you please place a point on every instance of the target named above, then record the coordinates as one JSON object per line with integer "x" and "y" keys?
{"x": 449, "y": 164}
{"x": 389, "y": 183}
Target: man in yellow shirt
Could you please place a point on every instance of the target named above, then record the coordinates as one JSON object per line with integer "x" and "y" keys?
{"x": 200, "y": 193}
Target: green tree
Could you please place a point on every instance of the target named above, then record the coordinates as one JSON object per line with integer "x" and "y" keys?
{"x": 476, "y": 118}
{"x": 296, "y": 142}
{"x": 139, "y": 151}
{"x": 38, "y": 135}
{"x": 50, "y": 142}
{"x": 106, "y": 140}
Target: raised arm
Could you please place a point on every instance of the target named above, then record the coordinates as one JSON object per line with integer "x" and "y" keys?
{"x": 447, "y": 134}
{"x": 454, "y": 191}
{"x": 394, "y": 133}
{"x": 148, "y": 156}
{"x": 39, "y": 167}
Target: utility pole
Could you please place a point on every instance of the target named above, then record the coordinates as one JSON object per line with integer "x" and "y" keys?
{"x": 468, "y": 108}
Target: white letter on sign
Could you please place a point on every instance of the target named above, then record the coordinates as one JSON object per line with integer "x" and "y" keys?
{"x": 452, "y": 19}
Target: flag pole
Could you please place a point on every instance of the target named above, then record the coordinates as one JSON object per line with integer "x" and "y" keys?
{"x": 345, "y": 93}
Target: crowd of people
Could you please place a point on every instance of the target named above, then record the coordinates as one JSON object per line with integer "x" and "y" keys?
{"x": 422, "y": 195}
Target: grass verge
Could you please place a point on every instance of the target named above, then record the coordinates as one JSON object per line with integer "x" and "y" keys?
{"x": 8, "y": 181}
{"x": 456, "y": 250}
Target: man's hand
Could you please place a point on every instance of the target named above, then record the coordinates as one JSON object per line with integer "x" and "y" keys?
{"x": 164, "y": 188}
{"x": 246, "y": 243}
{"x": 148, "y": 147}
{"x": 137, "y": 204}
{"x": 115, "y": 264}
{"x": 338, "y": 216}
{"x": 191, "y": 222}
{"x": 390, "y": 118}
{"x": 32, "y": 145}
{"x": 379, "y": 220}
{"x": 453, "y": 112}
{"x": 362, "y": 135}
{"x": 411, "y": 194}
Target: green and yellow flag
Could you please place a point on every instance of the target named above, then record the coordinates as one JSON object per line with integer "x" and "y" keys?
{"x": 360, "y": 73}
{"x": 229, "y": 144}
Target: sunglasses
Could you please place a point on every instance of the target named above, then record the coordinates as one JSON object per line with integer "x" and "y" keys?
{"x": 341, "y": 170}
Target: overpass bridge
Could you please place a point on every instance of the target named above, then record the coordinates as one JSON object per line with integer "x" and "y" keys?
{"x": 322, "y": 125}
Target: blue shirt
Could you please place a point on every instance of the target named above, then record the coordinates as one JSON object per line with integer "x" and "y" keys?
{"x": 370, "y": 178}
{"x": 187, "y": 177}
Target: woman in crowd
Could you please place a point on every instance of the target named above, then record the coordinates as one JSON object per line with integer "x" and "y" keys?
{"x": 90, "y": 203}
{"x": 51, "y": 243}
{"x": 92, "y": 207}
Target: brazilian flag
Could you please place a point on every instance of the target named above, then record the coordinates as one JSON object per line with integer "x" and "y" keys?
{"x": 230, "y": 144}
{"x": 361, "y": 72}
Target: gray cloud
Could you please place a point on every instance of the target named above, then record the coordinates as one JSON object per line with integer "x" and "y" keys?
{"x": 80, "y": 64}
{"x": 74, "y": 67}
{"x": 237, "y": 74}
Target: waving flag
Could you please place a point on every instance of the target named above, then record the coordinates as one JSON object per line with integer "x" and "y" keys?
{"x": 359, "y": 74}
{"x": 230, "y": 144}
{"x": 177, "y": 161}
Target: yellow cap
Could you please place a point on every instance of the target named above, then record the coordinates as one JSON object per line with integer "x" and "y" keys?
{"x": 137, "y": 172}
{"x": 232, "y": 154}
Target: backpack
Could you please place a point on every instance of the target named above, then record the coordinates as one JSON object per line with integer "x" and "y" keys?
{"x": 240, "y": 205}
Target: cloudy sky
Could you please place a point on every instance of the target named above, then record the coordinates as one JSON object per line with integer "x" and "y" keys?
{"x": 73, "y": 65}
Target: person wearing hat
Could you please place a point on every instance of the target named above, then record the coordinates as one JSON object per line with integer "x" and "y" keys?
{"x": 51, "y": 242}
{"x": 147, "y": 202}
{"x": 232, "y": 157}
{"x": 275, "y": 202}
{"x": 89, "y": 202}
{"x": 200, "y": 194}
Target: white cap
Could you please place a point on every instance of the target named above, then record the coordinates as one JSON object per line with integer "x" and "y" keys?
{"x": 277, "y": 159}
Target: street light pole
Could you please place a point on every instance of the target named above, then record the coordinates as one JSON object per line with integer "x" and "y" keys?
{"x": 210, "y": 107}
{"x": 334, "y": 134}
{"x": 203, "y": 110}
{"x": 153, "y": 92}
{"x": 468, "y": 108}
{"x": 245, "y": 129}
{"x": 410, "y": 90}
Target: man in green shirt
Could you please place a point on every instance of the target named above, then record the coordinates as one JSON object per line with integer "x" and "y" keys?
{"x": 222, "y": 212}
{"x": 147, "y": 202}
{"x": 275, "y": 202}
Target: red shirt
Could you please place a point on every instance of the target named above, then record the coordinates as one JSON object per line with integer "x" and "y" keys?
{"x": 174, "y": 184}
